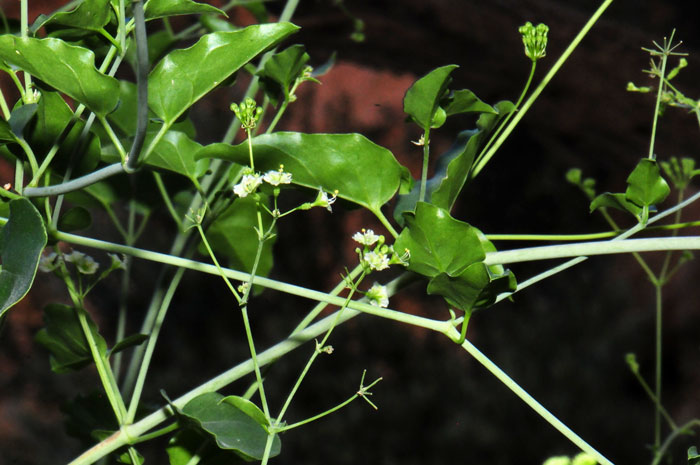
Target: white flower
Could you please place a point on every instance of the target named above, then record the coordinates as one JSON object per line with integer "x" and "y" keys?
{"x": 378, "y": 295}
{"x": 249, "y": 183}
{"x": 322, "y": 200}
{"x": 376, "y": 261}
{"x": 50, "y": 262}
{"x": 278, "y": 177}
{"x": 365, "y": 237}
{"x": 84, "y": 263}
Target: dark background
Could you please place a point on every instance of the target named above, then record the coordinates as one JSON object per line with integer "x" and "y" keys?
{"x": 564, "y": 340}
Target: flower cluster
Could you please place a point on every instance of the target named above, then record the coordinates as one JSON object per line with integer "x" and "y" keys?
{"x": 378, "y": 295}
{"x": 248, "y": 113}
{"x": 534, "y": 39}
{"x": 381, "y": 256}
{"x": 83, "y": 263}
{"x": 251, "y": 180}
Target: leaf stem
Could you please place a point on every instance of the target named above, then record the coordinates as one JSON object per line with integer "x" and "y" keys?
{"x": 426, "y": 161}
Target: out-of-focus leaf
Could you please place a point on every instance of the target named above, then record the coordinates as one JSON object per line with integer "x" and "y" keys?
{"x": 128, "y": 342}
{"x": 21, "y": 241}
{"x": 67, "y": 68}
{"x": 63, "y": 337}
{"x": 74, "y": 219}
{"x": 281, "y": 70}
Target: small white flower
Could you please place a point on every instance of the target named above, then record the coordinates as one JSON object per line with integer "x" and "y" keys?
{"x": 84, "y": 263}
{"x": 376, "y": 261}
{"x": 322, "y": 200}
{"x": 50, "y": 262}
{"x": 365, "y": 237}
{"x": 378, "y": 295}
{"x": 249, "y": 183}
{"x": 118, "y": 263}
{"x": 278, "y": 177}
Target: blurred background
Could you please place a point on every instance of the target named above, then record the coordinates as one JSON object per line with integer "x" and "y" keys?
{"x": 563, "y": 340}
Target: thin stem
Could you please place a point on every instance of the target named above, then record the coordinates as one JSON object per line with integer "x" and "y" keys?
{"x": 151, "y": 344}
{"x": 383, "y": 219}
{"x": 538, "y": 90}
{"x": 683, "y": 430}
{"x": 4, "y": 107}
{"x": 657, "y": 377}
{"x": 529, "y": 400}
{"x": 24, "y": 31}
{"x": 505, "y": 121}
{"x": 659, "y": 93}
{"x": 141, "y": 83}
{"x": 426, "y": 160}
{"x": 166, "y": 199}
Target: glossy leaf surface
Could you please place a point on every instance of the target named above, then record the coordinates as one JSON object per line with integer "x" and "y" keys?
{"x": 63, "y": 337}
{"x": 184, "y": 76}
{"x": 231, "y": 427}
{"x": 361, "y": 171}
{"x": 423, "y": 97}
{"x": 163, "y": 8}
{"x": 21, "y": 242}
{"x": 91, "y": 15}
{"x": 67, "y": 68}
{"x": 439, "y": 243}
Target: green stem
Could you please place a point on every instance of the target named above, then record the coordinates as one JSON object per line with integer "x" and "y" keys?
{"x": 659, "y": 93}
{"x": 683, "y": 430}
{"x": 113, "y": 137}
{"x": 529, "y": 400}
{"x": 383, "y": 219}
{"x": 166, "y": 199}
{"x": 538, "y": 90}
{"x": 505, "y": 121}
{"x": 592, "y": 248}
{"x": 657, "y": 377}
{"x": 4, "y": 107}
{"x": 151, "y": 344}
{"x": 24, "y": 32}
{"x": 426, "y": 161}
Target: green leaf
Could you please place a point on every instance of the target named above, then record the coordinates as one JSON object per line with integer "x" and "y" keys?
{"x": 20, "y": 117}
{"x": 162, "y": 8}
{"x": 465, "y": 101}
{"x": 645, "y": 186}
{"x": 85, "y": 415}
{"x": 128, "y": 342}
{"x": 63, "y": 337}
{"x": 281, "y": 70}
{"x": 361, "y": 171}
{"x": 74, "y": 219}
{"x": 618, "y": 201}
{"x": 21, "y": 242}
{"x": 451, "y": 172}
{"x": 249, "y": 408}
{"x": 487, "y": 121}
{"x": 233, "y": 235}
{"x": 422, "y": 99}
{"x": 439, "y": 243}
{"x": 67, "y": 68}
{"x": 6, "y": 134}
{"x": 231, "y": 427}
{"x": 184, "y": 76}
{"x": 187, "y": 443}
{"x": 53, "y": 115}
{"x": 477, "y": 286}
{"x": 91, "y": 15}
{"x": 174, "y": 152}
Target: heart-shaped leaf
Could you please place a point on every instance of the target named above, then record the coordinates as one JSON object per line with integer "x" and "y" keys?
{"x": 232, "y": 428}
{"x": 422, "y": 99}
{"x": 439, "y": 243}
{"x": 21, "y": 242}
{"x": 361, "y": 171}
{"x": 184, "y": 76}
{"x": 645, "y": 186}
{"x": 63, "y": 337}
{"x": 67, "y": 68}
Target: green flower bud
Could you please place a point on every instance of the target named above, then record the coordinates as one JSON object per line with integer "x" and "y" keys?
{"x": 534, "y": 39}
{"x": 248, "y": 112}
